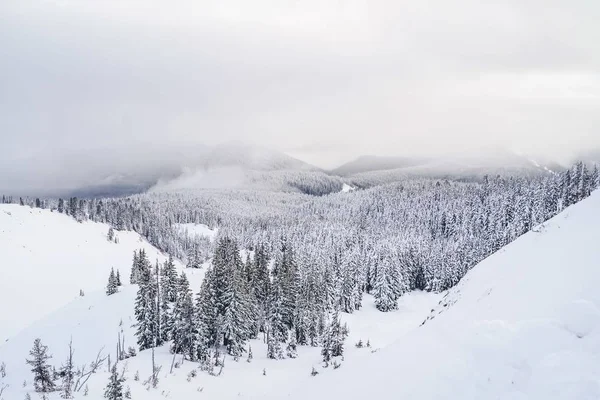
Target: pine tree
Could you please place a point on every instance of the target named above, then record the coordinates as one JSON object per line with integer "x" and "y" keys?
{"x": 112, "y": 286}
{"x": 385, "y": 298}
{"x": 145, "y": 309}
{"x": 261, "y": 285}
{"x": 292, "y": 348}
{"x": 250, "y": 355}
{"x": 206, "y": 315}
{"x": 110, "y": 235}
{"x": 170, "y": 279}
{"x": 118, "y": 279}
{"x": 42, "y": 373}
{"x": 166, "y": 315}
{"x": 274, "y": 350}
{"x": 134, "y": 276}
{"x": 277, "y": 328}
{"x": 184, "y": 333}
{"x": 114, "y": 389}
{"x": 337, "y": 336}
{"x": 235, "y": 322}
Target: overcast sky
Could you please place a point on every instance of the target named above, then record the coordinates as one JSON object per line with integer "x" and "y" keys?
{"x": 322, "y": 80}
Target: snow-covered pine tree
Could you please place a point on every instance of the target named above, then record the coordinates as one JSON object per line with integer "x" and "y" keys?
{"x": 114, "y": 388}
{"x": 292, "y": 347}
{"x": 161, "y": 334}
{"x": 118, "y": 279}
{"x": 236, "y": 320}
{"x": 337, "y": 336}
{"x": 43, "y": 379}
{"x": 278, "y": 330}
{"x": 261, "y": 285}
{"x": 274, "y": 348}
{"x": 166, "y": 317}
{"x": 112, "y": 287}
{"x": 110, "y": 235}
{"x": 133, "y": 277}
{"x": 385, "y": 298}
{"x": 170, "y": 279}
{"x": 145, "y": 309}
{"x": 206, "y": 315}
{"x": 184, "y": 332}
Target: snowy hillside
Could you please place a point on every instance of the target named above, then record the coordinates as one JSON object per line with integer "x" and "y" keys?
{"x": 48, "y": 257}
{"x": 523, "y": 324}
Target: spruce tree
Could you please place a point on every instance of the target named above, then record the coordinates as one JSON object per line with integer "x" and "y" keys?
{"x": 385, "y": 298}
{"x": 292, "y": 348}
{"x": 145, "y": 309}
{"x": 184, "y": 332}
{"x": 42, "y": 372}
{"x": 274, "y": 349}
{"x": 114, "y": 389}
{"x": 112, "y": 286}
{"x": 170, "y": 279}
{"x": 134, "y": 276}
{"x": 206, "y": 315}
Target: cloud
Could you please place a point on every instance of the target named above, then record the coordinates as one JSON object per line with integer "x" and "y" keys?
{"x": 378, "y": 77}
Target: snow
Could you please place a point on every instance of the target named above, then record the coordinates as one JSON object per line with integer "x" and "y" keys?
{"x": 93, "y": 322}
{"x": 347, "y": 188}
{"x": 523, "y": 324}
{"x": 47, "y": 257}
{"x": 197, "y": 230}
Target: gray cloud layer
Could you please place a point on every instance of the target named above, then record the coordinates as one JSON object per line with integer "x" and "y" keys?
{"x": 322, "y": 80}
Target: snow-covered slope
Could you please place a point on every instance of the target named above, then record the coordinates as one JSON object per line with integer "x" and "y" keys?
{"x": 93, "y": 323}
{"x": 523, "y": 324}
{"x": 47, "y": 257}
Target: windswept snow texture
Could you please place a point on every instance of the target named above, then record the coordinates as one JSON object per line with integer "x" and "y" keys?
{"x": 47, "y": 257}
{"x": 523, "y": 324}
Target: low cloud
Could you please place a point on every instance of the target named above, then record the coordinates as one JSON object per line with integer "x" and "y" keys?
{"x": 324, "y": 81}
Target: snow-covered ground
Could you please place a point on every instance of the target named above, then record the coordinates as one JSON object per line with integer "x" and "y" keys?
{"x": 47, "y": 257}
{"x": 523, "y": 324}
{"x": 94, "y": 321}
{"x": 347, "y": 188}
{"x": 197, "y": 230}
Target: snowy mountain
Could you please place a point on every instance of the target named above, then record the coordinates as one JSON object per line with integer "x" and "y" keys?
{"x": 523, "y": 324}
{"x": 135, "y": 169}
{"x": 376, "y": 163}
{"x": 367, "y": 171}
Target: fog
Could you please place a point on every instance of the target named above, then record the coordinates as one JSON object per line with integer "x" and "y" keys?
{"x": 88, "y": 88}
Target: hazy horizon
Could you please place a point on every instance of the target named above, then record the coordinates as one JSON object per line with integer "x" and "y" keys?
{"x": 322, "y": 81}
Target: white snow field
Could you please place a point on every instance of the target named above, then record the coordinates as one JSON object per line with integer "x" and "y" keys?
{"x": 197, "y": 230}
{"x": 47, "y": 257}
{"x": 523, "y": 324}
